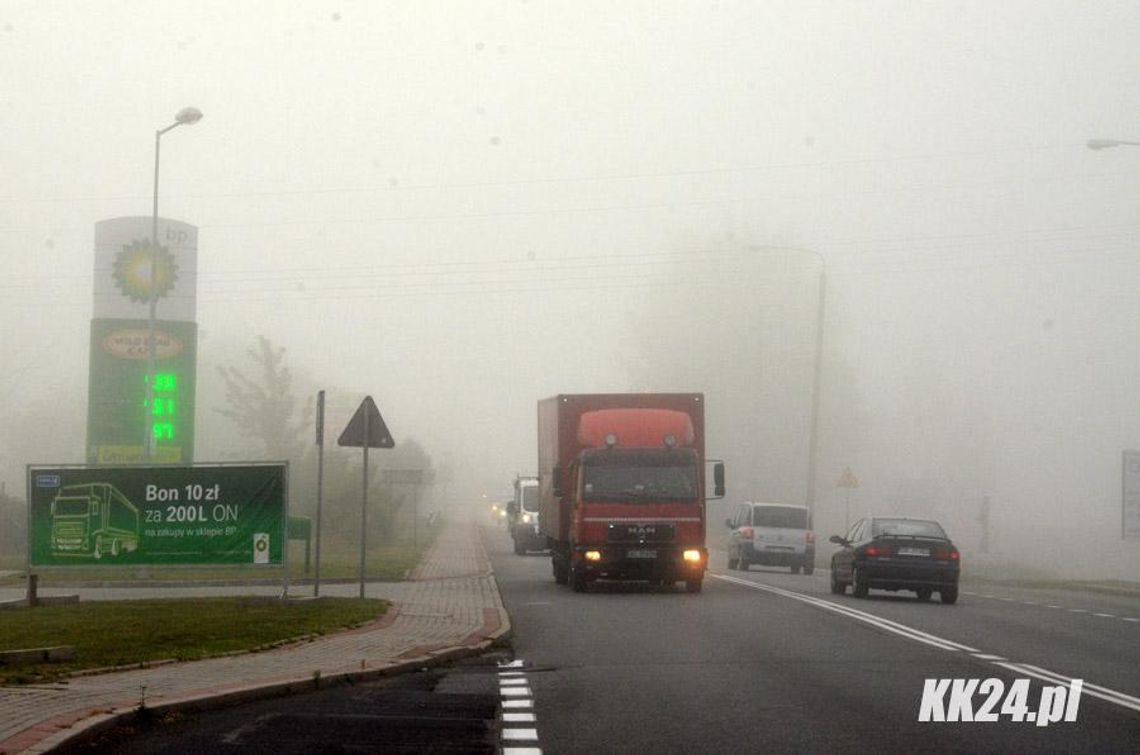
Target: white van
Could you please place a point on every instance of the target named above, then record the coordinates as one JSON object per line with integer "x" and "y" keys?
{"x": 771, "y": 534}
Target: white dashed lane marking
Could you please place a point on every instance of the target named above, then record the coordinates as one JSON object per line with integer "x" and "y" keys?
{"x": 1055, "y": 607}
{"x": 519, "y": 724}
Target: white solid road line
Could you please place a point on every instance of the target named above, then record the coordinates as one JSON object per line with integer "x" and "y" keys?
{"x": 886, "y": 624}
{"x": 1104, "y": 693}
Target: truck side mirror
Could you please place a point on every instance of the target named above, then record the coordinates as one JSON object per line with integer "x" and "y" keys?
{"x": 718, "y": 479}
{"x": 556, "y": 483}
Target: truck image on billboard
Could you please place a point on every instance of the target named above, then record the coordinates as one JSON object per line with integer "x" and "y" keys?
{"x": 91, "y": 521}
{"x": 157, "y": 515}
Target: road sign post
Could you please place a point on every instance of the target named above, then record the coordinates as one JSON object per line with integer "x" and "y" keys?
{"x": 320, "y": 486}
{"x": 365, "y": 430}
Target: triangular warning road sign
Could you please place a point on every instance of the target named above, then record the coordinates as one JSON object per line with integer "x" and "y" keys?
{"x": 847, "y": 479}
{"x": 354, "y": 432}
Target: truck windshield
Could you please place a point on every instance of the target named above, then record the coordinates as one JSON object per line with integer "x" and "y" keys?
{"x": 530, "y": 498}
{"x": 639, "y": 476}
{"x": 71, "y": 506}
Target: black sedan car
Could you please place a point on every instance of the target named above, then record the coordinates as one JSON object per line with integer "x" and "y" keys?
{"x": 896, "y": 553}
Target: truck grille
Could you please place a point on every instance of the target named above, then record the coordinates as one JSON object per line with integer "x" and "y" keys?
{"x": 640, "y": 532}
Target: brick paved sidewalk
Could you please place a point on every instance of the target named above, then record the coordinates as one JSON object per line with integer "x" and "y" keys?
{"x": 450, "y": 606}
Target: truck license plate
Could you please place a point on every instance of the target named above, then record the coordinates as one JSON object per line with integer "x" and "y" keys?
{"x": 914, "y": 551}
{"x": 644, "y": 553}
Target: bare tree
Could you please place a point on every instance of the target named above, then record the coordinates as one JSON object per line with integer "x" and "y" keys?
{"x": 263, "y": 405}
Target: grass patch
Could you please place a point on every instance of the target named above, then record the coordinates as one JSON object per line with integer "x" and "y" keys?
{"x": 116, "y": 633}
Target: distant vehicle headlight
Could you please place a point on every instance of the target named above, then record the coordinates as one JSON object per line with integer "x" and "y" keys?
{"x": 692, "y": 556}
{"x": 527, "y": 518}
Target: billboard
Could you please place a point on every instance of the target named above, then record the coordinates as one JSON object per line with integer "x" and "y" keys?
{"x": 120, "y": 334}
{"x": 157, "y": 515}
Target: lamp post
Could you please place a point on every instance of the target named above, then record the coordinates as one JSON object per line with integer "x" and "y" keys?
{"x": 186, "y": 116}
{"x": 813, "y": 431}
{"x": 813, "y": 437}
{"x": 1106, "y": 143}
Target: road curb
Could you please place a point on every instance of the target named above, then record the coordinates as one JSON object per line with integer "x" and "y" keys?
{"x": 76, "y": 728}
{"x": 96, "y": 721}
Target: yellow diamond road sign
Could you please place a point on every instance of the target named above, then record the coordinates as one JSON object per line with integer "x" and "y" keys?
{"x": 847, "y": 479}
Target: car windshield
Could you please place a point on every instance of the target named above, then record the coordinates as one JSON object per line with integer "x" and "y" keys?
{"x": 639, "y": 475}
{"x": 780, "y": 516}
{"x": 907, "y": 527}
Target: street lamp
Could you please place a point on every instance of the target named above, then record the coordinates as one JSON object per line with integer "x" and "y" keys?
{"x": 813, "y": 436}
{"x": 186, "y": 116}
{"x": 1106, "y": 143}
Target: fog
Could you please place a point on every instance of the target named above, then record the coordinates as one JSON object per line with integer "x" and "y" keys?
{"x": 461, "y": 208}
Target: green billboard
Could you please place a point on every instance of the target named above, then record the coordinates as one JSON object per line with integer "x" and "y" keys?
{"x": 157, "y": 515}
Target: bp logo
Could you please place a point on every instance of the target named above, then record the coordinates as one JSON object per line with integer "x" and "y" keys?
{"x": 132, "y": 271}
{"x": 261, "y": 547}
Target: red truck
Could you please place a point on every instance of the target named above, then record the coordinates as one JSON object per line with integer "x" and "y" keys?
{"x": 621, "y": 487}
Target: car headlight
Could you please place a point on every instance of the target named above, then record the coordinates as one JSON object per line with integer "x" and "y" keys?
{"x": 527, "y": 518}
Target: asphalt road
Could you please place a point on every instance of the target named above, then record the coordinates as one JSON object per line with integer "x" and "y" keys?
{"x": 766, "y": 661}
{"x": 452, "y": 711}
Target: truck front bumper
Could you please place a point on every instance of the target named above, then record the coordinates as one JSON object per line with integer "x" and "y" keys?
{"x": 668, "y": 563}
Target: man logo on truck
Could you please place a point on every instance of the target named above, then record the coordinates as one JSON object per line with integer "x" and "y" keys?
{"x": 93, "y": 520}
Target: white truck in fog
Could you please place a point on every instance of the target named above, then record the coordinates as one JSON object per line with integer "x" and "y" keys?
{"x": 523, "y": 514}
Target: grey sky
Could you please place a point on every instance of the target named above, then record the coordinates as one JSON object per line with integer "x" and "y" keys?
{"x": 462, "y": 207}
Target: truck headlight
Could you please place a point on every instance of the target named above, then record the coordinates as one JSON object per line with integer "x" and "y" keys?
{"x": 692, "y": 556}
{"x": 593, "y": 555}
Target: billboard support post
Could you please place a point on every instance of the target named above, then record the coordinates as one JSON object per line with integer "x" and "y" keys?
{"x": 285, "y": 533}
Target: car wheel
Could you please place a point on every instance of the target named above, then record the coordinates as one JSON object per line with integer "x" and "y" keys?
{"x": 519, "y": 549}
{"x": 837, "y": 587}
{"x": 949, "y": 595}
{"x": 924, "y": 594}
{"x": 115, "y": 547}
{"x": 795, "y": 569}
{"x": 693, "y": 585}
{"x": 733, "y": 563}
{"x": 859, "y": 588}
{"x": 560, "y": 575}
{"x": 744, "y": 562}
{"x": 98, "y": 547}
